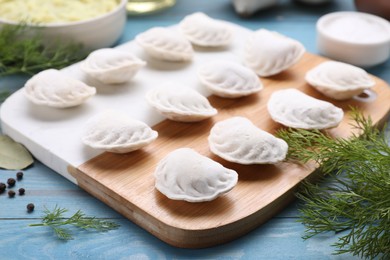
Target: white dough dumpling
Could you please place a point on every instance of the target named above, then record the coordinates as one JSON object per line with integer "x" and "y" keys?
{"x": 229, "y": 79}
{"x": 203, "y": 30}
{"x": 238, "y": 140}
{"x": 269, "y": 53}
{"x": 181, "y": 104}
{"x": 115, "y": 132}
{"x": 165, "y": 44}
{"x": 55, "y": 89}
{"x": 111, "y": 66}
{"x": 184, "y": 174}
{"x": 339, "y": 80}
{"x": 295, "y": 109}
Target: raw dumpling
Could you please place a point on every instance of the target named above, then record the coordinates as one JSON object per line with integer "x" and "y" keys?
{"x": 269, "y": 53}
{"x": 203, "y": 30}
{"x": 115, "y": 132}
{"x": 164, "y": 44}
{"x": 238, "y": 140}
{"x": 55, "y": 89}
{"x": 111, "y": 66}
{"x": 180, "y": 103}
{"x": 229, "y": 79}
{"x": 295, "y": 109}
{"x": 187, "y": 175}
{"x": 339, "y": 80}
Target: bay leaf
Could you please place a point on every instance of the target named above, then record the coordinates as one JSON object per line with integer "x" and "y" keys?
{"x": 13, "y": 155}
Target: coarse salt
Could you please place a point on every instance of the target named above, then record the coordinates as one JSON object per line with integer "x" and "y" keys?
{"x": 357, "y": 29}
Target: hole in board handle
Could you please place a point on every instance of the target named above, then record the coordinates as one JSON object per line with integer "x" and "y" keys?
{"x": 367, "y": 95}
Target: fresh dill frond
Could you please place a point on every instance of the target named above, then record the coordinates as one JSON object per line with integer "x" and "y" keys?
{"x": 55, "y": 219}
{"x": 352, "y": 199}
{"x": 23, "y": 51}
{"x": 62, "y": 233}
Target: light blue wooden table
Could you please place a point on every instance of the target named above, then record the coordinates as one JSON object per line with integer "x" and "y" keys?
{"x": 279, "y": 238}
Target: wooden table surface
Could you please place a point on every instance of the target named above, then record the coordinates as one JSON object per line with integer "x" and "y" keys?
{"x": 279, "y": 238}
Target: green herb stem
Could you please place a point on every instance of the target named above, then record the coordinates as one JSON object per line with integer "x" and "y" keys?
{"x": 29, "y": 54}
{"x": 353, "y": 197}
{"x": 55, "y": 220}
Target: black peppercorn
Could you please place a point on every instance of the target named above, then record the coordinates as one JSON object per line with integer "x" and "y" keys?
{"x": 21, "y": 191}
{"x": 30, "y": 207}
{"x": 11, "y": 193}
{"x": 19, "y": 176}
{"x": 2, "y": 187}
{"x": 11, "y": 182}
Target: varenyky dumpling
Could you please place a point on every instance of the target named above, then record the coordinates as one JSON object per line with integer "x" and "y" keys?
{"x": 229, "y": 79}
{"x": 203, "y": 30}
{"x": 181, "y": 104}
{"x": 184, "y": 174}
{"x": 111, "y": 66}
{"x": 115, "y": 132}
{"x": 269, "y": 53}
{"x": 339, "y": 80}
{"x": 295, "y": 109}
{"x": 53, "y": 88}
{"x": 165, "y": 44}
{"x": 238, "y": 140}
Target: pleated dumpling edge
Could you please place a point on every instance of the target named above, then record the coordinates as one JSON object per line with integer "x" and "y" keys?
{"x": 293, "y": 108}
{"x": 111, "y": 66}
{"x": 179, "y": 103}
{"x": 165, "y": 44}
{"x": 229, "y": 79}
{"x": 113, "y": 131}
{"x": 53, "y": 88}
{"x": 238, "y": 140}
{"x": 205, "y": 31}
{"x": 269, "y": 53}
{"x": 184, "y": 174}
{"x": 339, "y": 80}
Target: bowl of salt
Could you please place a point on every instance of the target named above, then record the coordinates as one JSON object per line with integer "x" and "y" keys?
{"x": 356, "y": 38}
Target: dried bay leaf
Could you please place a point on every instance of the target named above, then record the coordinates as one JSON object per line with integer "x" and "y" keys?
{"x": 13, "y": 155}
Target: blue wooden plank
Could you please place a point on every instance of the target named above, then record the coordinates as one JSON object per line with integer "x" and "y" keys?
{"x": 277, "y": 239}
{"x": 46, "y": 188}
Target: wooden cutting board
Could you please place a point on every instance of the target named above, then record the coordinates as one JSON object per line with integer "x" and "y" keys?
{"x": 125, "y": 181}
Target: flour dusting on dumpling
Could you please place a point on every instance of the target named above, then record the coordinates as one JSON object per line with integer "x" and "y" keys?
{"x": 269, "y": 53}
{"x": 184, "y": 174}
{"x": 238, "y": 140}
{"x": 115, "y": 132}
{"x": 165, "y": 44}
{"x": 112, "y": 66}
{"x": 54, "y": 89}
{"x": 229, "y": 79}
{"x": 180, "y": 103}
{"x": 339, "y": 80}
{"x": 295, "y": 109}
{"x": 203, "y": 30}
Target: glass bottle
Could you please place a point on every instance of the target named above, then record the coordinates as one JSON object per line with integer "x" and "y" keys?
{"x": 139, "y": 7}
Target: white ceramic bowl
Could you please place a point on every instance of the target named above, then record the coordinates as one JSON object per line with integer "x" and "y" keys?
{"x": 357, "y": 38}
{"x": 98, "y": 32}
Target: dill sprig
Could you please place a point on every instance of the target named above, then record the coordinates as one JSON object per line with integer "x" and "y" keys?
{"x": 29, "y": 54}
{"x": 55, "y": 219}
{"x": 352, "y": 198}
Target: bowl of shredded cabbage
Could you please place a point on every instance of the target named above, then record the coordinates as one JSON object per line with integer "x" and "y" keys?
{"x": 92, "y": 23}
